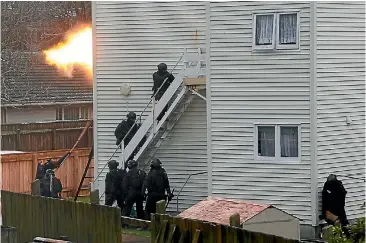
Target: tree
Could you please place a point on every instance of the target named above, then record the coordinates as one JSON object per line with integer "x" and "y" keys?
{"x": 27, "y": 28}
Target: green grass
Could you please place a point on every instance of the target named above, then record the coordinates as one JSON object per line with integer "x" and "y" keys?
{"x": 81, "y": 199}
{"x": 134, "y": 231}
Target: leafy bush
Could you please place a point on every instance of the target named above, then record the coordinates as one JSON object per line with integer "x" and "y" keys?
{"x": 356, "y": 233}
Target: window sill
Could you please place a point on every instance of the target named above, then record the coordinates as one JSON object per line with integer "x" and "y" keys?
{"x": 269, "y": 51}
{"x": 277, "y": 160}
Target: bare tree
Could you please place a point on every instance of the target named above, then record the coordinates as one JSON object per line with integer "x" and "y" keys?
{"x": 27, "y": 28}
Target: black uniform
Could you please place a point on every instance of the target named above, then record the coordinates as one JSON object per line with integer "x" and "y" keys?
{"x": 113, "y": 185}
{"x": 46, "y": 185}
{"x": 49, "y": 165}
{"x": 156, "y": 183}
{"x": 132, "y": 186}
{"x": 158, "y": 78}
{"x": 122, "y": 130}
{"x": 333, "y": 199}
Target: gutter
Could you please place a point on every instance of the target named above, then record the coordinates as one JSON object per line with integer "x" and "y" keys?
{"x": 47, "y": 103}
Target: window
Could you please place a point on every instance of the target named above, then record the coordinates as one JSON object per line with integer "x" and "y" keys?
{"x": 59, "y": 112}
{"x": 276, "y": 31}
{"x": 74, "y": 113}
{"x": 3, "y": 116}
{"x": 277, "y": 142}
{"x": 86, "y": 112}
{"x": 71, "y": 113}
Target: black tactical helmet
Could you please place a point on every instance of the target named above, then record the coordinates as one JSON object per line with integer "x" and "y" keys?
{"x": 332, "y": 177}
{"x": 162, "y": 67}
{"x": 131, "y": 115}
{"x": 155, "y": 163}
{"x": 112, "y": 164}
{"x": 131, "y": 164}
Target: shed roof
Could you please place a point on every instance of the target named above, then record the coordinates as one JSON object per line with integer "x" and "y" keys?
{"x": 218, "y": 210}
{"x": 27, "y": 79}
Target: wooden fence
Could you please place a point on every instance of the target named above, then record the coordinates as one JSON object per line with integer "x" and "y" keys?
{"x": 45, "y": 136}
{"x": 47, "y": 217}
{"x": 166, "y": 228}
{"x": 19, "y": 170}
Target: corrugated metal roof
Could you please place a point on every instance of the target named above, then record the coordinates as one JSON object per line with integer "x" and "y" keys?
{"x": 218, "y": 210}
{"x": 27, "y": 80}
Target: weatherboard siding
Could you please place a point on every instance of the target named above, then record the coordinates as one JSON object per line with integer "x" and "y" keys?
{"x": 252, "y": 87}
{"x": 184, "y": 151}
{"x": 341, "y": 93}
{"x": 131, "y": 40}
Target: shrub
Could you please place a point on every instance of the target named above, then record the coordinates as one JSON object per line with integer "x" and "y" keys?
{"x": 356, "y": 233}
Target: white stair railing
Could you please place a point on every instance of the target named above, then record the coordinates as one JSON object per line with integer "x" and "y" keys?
{"x": 150, "y": 120}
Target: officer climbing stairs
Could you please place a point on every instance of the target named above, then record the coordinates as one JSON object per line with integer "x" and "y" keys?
{"x": 189, "y": 81}
{"x": 186, "y": 85}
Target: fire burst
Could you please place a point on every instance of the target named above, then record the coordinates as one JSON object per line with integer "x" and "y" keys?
{"x": 77, "y": 50}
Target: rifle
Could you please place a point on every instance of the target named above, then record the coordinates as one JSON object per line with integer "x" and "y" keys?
{"x": 166, "y": 206}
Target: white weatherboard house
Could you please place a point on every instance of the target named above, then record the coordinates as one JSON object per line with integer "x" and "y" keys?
{"x": 272, "y": 102}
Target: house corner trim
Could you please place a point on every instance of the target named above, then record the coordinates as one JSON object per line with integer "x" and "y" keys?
{"x": 313, "y": 113}
{"x": 208, "y": 97}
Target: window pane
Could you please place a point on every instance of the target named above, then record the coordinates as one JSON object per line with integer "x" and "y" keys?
{"x": 266, "y": 141}
{"x": 3, "y": 116}
{"x": 264, "y": 29}
{"x": 84, "y": 113}
{"x": 288, "y": 28}
{"x": 58, "y": 114}
{"x": 71, "y": 113}
{"x": 289, "y": 142}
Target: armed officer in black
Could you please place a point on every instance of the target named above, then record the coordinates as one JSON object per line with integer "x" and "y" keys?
{"x": 113, "y": 185}
{"x": 132, "y": 187}
{"x": 158, "y": 78}
{"x": 156, "y": 183}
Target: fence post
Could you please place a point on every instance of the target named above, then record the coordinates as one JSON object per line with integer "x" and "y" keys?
{"x": 77, "y": 176}
{"x": 18, "y": 142}
{"x": 53, "y": 139}
{"x": 34, "y": 164}
{"x": 36, "y": 188}
{"x": 160, "y": 207}
{"x": 235, "y": 220}
{"x": 94, "y": 196}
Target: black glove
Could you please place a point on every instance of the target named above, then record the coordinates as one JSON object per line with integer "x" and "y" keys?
{"x": 170, "y": 196}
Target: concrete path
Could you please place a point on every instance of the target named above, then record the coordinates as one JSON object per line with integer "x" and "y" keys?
{"x": 134, "y": 239}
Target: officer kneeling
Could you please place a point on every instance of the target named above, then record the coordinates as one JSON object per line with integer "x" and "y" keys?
{"x": 156, "y": 183}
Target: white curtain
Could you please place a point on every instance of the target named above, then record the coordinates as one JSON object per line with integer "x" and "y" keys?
{"x": 288, "y": 28}
{"x": 266, "y": 141}
{"x": 264, "y": 29}
{"x": 289, "y": 142}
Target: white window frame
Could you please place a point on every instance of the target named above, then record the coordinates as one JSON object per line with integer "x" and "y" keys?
{"x": 263, "y": 47}
{"x": 90, "y": 113}
{"x": 276, "y": 32}
{"x": 277, "y": 156}
{"x": 288, "y": 46}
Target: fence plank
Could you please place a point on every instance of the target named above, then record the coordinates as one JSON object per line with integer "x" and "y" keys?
{"x": 44, "y": 136}
{"x": 47, "y": 217}
{"x": 25, "y": 166}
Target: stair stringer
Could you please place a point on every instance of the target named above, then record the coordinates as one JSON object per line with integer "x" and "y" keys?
{"x": 150, "y": 152}
{"x": 160, "y": 126}
{"x": 146, "y": 126}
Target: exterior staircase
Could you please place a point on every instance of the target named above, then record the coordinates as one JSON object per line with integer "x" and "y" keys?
{"x": 178, "y": 97}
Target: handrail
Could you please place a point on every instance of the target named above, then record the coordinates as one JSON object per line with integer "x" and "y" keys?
{"x": 197, "y": 173}
{"x": 135, "y": 123}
